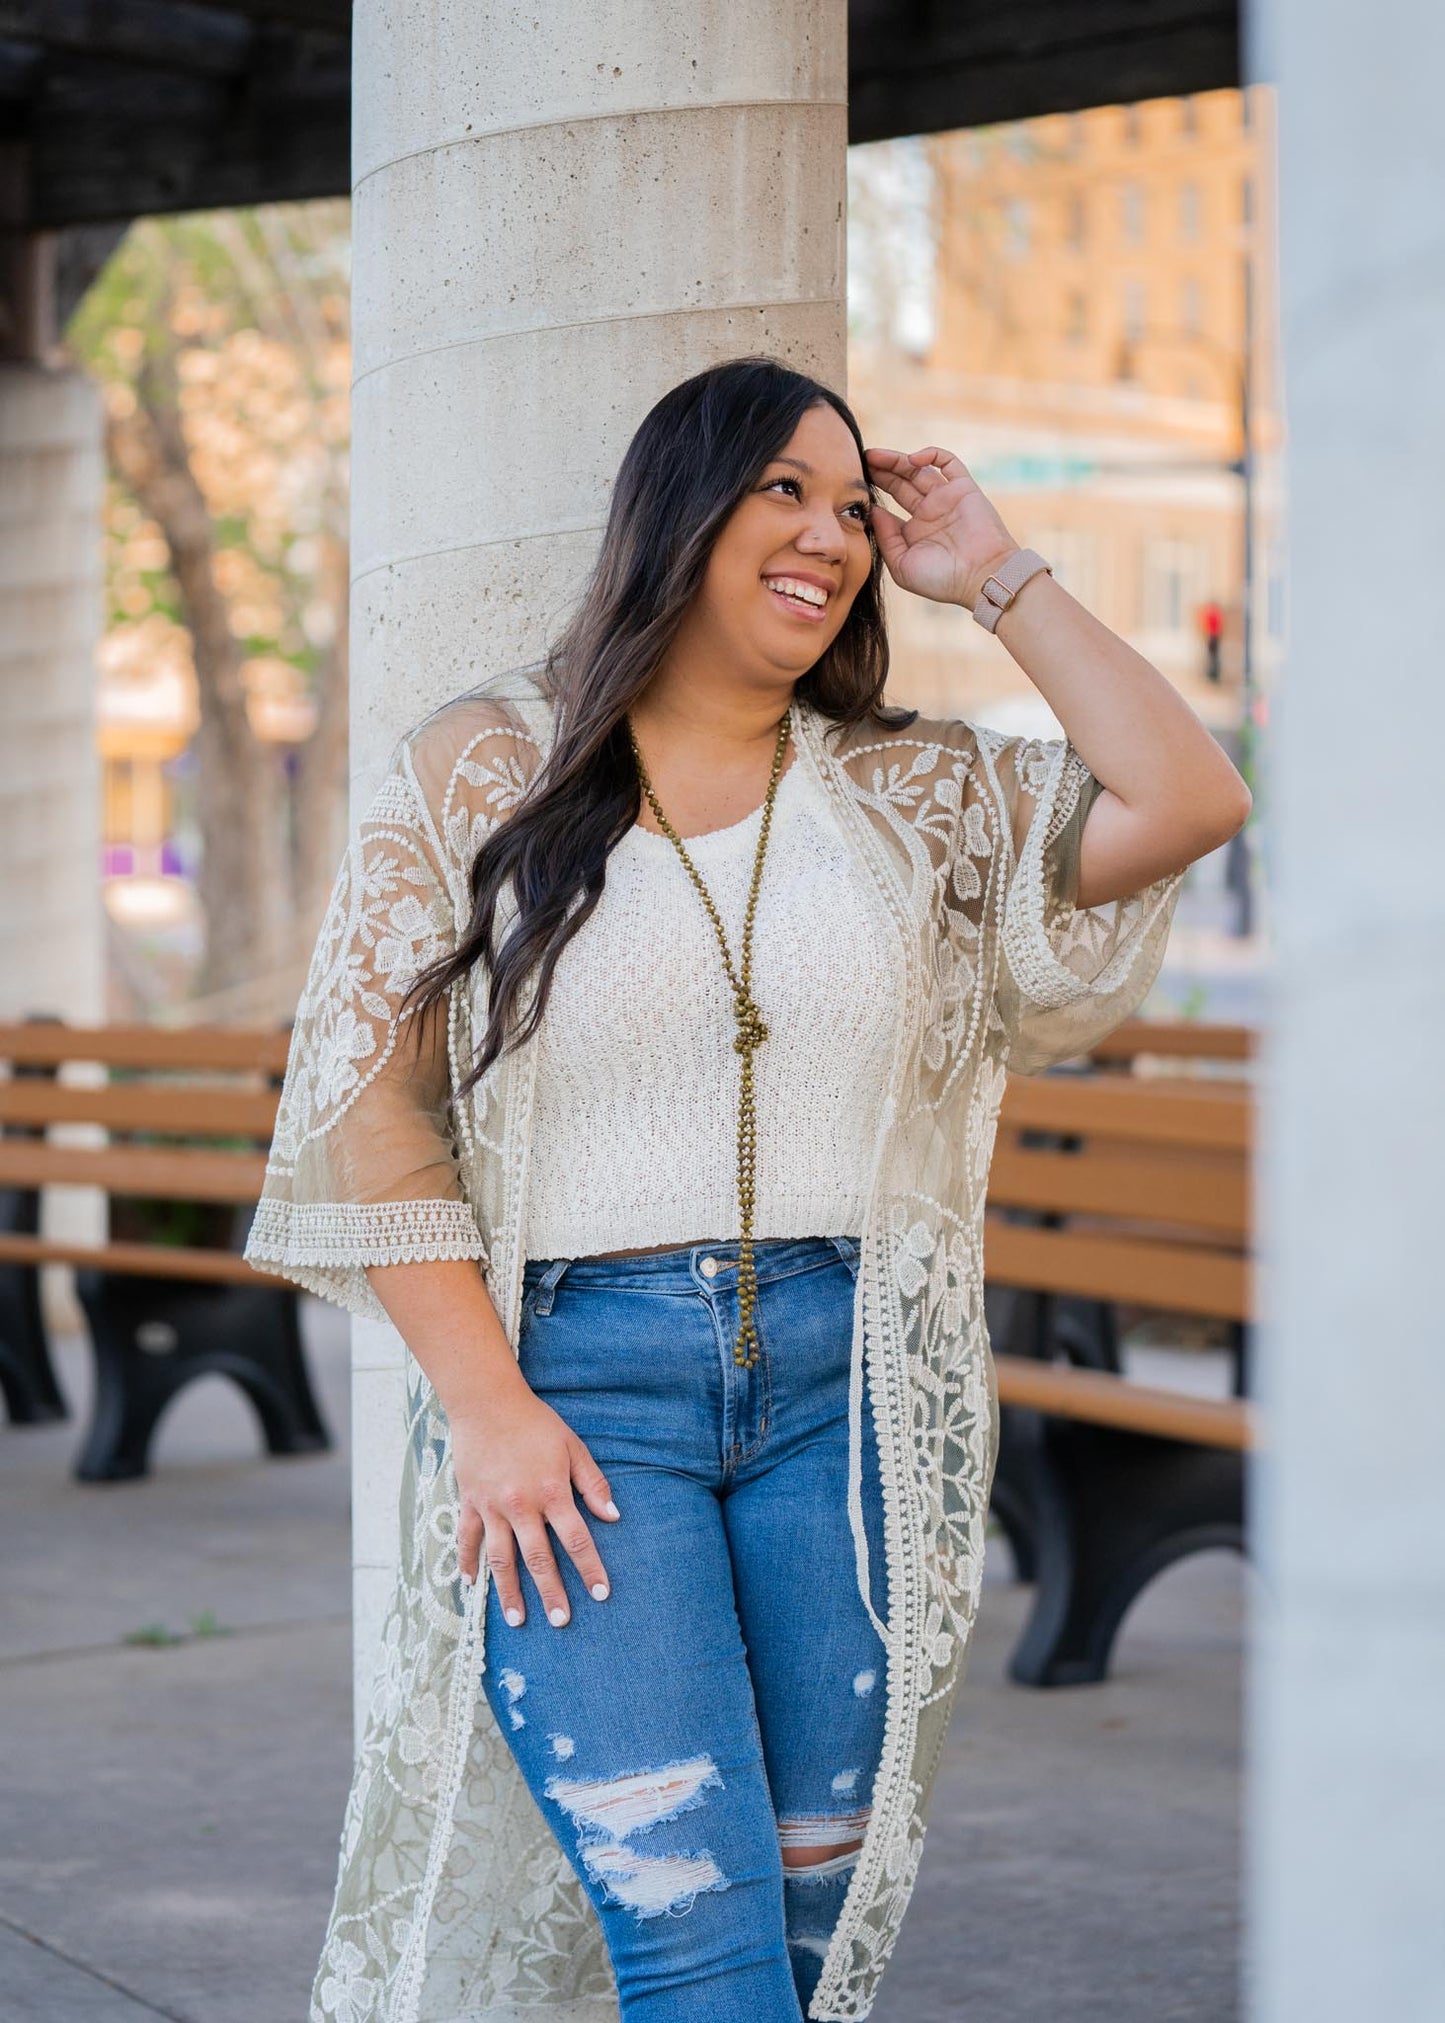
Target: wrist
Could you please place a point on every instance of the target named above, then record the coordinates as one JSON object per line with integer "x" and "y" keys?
{"x": 495, "y": 1386}
{"x": 998, "y": 590}
{"x": 979, "y": 576}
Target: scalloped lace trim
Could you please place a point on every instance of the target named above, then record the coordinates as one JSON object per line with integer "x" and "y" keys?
{"x": 1032, "y": 956}
{"x": 332, "y": 1234}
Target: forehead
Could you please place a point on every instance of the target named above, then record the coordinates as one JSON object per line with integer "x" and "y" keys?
{"x": 824, "y": 442}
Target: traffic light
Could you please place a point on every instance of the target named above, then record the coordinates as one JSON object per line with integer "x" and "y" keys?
{"x": 1211, "y": 625}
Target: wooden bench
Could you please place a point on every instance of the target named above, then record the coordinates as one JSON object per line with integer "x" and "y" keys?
{"x": 1112, "y": 1190}
{"x": 172, "y": 1126}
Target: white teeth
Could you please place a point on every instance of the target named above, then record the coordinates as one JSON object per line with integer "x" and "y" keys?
{"x": 807, "y": 593}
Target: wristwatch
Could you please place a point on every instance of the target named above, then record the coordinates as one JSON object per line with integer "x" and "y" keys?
{"x": 1005, "y": 584}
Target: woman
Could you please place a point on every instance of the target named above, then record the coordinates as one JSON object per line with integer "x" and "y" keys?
{"x": 646, "y": 1079}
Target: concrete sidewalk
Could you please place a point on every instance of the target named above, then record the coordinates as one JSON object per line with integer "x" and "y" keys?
{"x": 172, "y": 1809}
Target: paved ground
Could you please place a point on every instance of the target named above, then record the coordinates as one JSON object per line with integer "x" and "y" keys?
{"x": 172, "y": 1809}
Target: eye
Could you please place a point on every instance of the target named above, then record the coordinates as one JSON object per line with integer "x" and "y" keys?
{"x": 795, "y": 485}
{"x": 860, "y": 510}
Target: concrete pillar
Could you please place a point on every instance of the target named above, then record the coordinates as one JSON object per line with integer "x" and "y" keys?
{"x": 1348, "y": 1693}
{"x": 52, "y": 475}
{"x": 559, "y": 212}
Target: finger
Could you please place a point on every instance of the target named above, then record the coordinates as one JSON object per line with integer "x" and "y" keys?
{"x": 576, "y": 1541}
{"x": 502, "y": 1565}
{"x": 469, "y": 1541}
{"x": 943, "y": 460}
{"x": 536, "y": 1553}
{"x": 899, "y": 485}
{"x": 888, "y": 532}
{"x": 593, "y": 1484}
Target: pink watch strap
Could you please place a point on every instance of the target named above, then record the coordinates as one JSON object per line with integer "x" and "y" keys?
{"x": 1005, "y": 584}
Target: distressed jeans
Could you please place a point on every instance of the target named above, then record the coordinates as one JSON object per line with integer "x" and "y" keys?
{"x": 727, "y": 1700}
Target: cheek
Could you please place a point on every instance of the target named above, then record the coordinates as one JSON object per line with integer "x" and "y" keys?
{"x": 859, "y": 566}
{"x": 732, "y": 571}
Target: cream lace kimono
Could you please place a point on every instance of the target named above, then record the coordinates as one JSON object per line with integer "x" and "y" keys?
{"x": 454, "y": 1899}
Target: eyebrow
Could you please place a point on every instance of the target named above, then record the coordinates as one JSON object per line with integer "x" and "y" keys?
{"x": 854, "y": 484}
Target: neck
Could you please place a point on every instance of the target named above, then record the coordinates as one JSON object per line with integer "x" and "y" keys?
{"x": 692, "y": 705}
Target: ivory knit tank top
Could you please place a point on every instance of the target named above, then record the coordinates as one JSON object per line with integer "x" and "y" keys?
{"x": 635, "y": 1138}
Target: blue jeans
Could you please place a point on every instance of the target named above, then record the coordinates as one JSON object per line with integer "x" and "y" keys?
{"x": 727, "y": 1700}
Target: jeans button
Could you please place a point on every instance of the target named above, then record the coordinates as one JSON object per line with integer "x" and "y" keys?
{"x": 709, "y": 1267}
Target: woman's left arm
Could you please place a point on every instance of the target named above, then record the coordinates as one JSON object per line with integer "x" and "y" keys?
{"x": 1170, "y": 795}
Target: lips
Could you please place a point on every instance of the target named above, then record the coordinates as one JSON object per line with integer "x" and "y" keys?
{"x": 804, "y": 596}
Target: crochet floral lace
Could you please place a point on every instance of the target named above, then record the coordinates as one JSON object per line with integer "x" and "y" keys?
{"x": 454, "y": 1903}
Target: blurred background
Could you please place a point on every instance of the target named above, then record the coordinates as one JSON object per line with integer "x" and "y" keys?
{"x": 1060, "y": 228}
{"x": 1082, "y": 304}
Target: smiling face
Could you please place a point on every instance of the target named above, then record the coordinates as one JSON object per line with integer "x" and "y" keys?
{"x": 792, "y": 555}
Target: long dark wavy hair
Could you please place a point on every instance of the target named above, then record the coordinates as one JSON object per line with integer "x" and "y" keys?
{"x": 696, "y": 455}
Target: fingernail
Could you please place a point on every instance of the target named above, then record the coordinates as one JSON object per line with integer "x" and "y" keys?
{"x": 600, "y": 1592}
{"x": 557, "y": 1617}
{"x": 612, "y": 1510}
{"x": 513, "y": 1616}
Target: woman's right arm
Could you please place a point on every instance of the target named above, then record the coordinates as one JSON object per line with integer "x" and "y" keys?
{"x": 515, "y": 1460}
{"x": 364, "y": 1201}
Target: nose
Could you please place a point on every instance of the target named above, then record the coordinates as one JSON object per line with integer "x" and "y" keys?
{"x": 822, "y": 536}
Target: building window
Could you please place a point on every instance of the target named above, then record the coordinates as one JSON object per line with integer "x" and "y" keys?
{"x": 1131, "y": 126}
{"x": 1191, "y": 307}
{"x": 1075, "y": 558}
{"x": 1176, "y": 583}
{"x": 1188, "y": 119}
{"x": 1246, "y": 109}
{"x": 1131, "y": 213}
{"x": 1246, "y": 201}
{"x": 1077, "y": 322}
{"x": 1078, "y": 133}
{"x": 1136, "y": 311}
{"x": 1189, "y": 213}
{"x": 1075, "y": 220}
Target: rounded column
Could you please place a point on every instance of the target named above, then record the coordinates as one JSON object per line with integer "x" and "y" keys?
{"x": 558, "y": 213}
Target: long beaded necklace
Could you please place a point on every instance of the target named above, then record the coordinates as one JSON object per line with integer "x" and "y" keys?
{"x": 750, "y": 1034}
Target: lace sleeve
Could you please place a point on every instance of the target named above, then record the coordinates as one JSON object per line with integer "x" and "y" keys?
{"x": 363, "y": 1168}
{"x": 1070, "y": 973}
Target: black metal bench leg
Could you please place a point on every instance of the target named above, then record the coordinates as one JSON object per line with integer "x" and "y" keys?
{"x": 152, "y": 1337}
{"x": 277, "y": 1381}
{"x": 1111, "y": 1510}
{"x": 28, "y": 1383}
{"x": 27, "y": 1376}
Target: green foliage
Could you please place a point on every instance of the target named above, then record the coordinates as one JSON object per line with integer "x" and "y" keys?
{"x": 160, "y": 1636}
{"x": 235, "y": 324}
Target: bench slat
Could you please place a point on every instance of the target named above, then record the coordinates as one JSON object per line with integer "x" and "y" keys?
{"x": 1116, "y": 1401}
{"x": 1109, "y": 1180}
{"x": 142, "y": 1106}
{"x": 1171, "y": 1276}
{"x": 1158, "y": 1112}
{"x": 226, "y": 1049}
{"x": 1186, "y": 1038}
{"x": 151, "y": 1171}
{"x": 136, "y": 1260}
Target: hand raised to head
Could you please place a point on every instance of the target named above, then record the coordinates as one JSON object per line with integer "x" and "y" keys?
{"x": 952, "y": 539}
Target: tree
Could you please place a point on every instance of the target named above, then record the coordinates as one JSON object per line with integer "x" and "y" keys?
{"x": 222, "y": 344}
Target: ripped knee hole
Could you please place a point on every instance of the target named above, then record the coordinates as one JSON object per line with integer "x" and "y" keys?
{"x": 823, "y": 1840}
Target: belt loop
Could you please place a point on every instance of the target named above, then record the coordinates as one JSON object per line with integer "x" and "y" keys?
{"x": 849, "y": 1249}
{"x": 548, "y": 1283}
